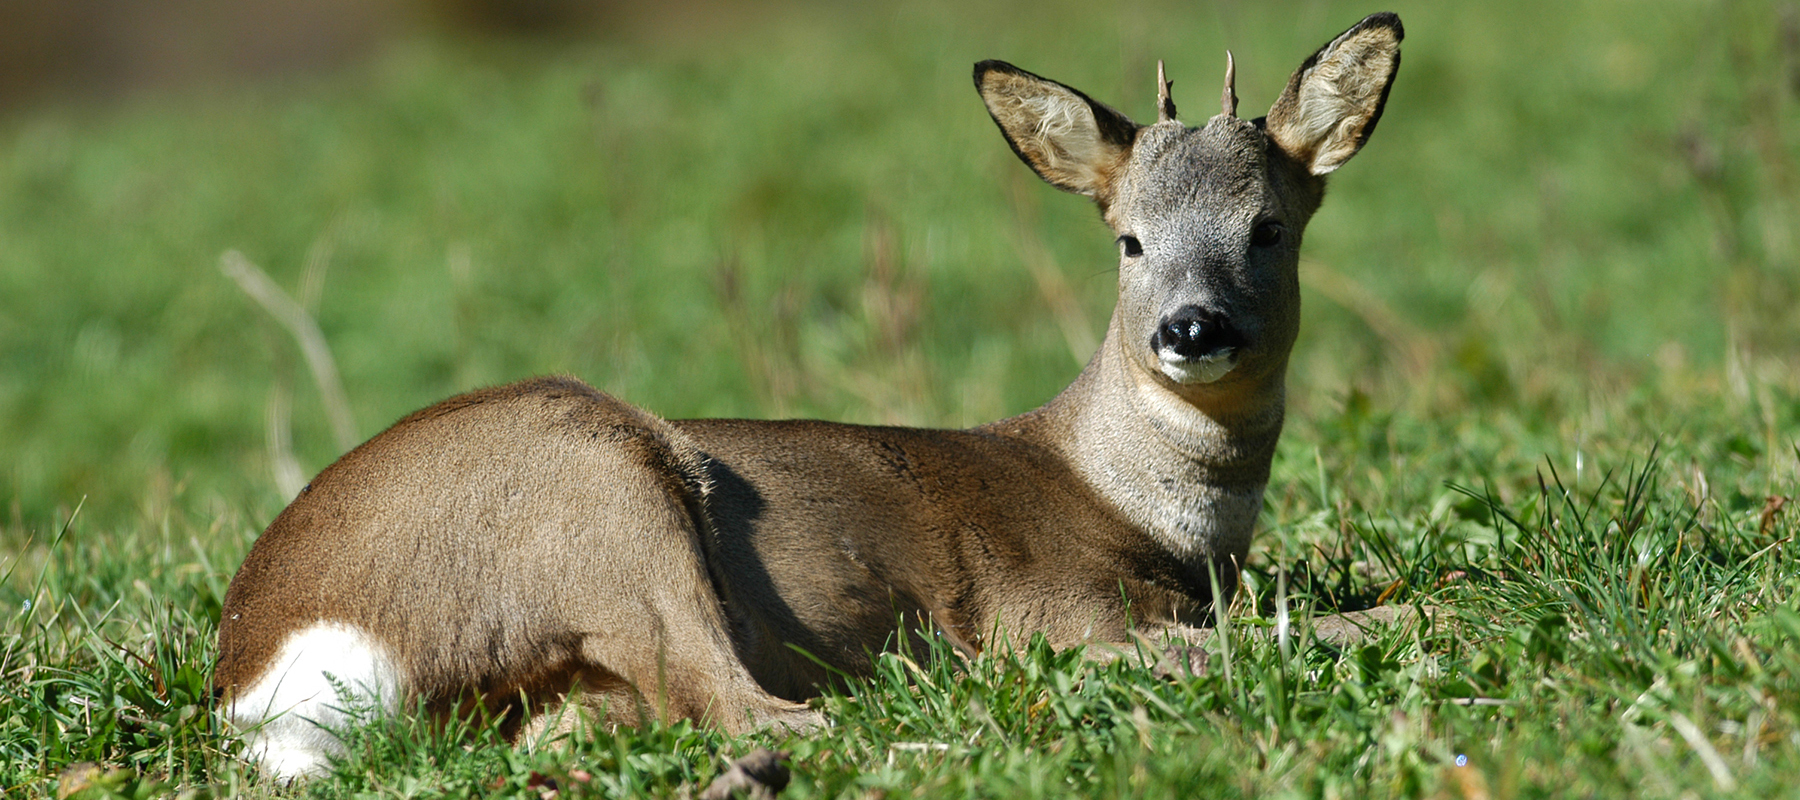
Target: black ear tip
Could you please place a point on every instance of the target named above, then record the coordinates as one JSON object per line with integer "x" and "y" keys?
{"x": 1385, "y": 19}
{"x": 982, "y": 68}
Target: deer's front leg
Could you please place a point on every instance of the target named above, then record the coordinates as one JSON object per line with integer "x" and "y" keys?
{"x": 1169, "y": 651}
{"x": 1182, "y": 651}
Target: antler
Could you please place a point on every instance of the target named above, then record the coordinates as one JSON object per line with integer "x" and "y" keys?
{"x": 1229, "y": 98}
{"x": 1165, "y": 107}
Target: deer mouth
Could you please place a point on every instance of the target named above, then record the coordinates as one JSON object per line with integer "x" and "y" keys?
{"x": 1194, "y": 345}
{"x": 1205, "y": 369}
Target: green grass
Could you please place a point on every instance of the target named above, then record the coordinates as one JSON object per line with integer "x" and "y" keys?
{"x": 1546, "y": 380}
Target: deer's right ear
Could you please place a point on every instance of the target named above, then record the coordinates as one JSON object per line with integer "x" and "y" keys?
{"x": 1069, "y": 139}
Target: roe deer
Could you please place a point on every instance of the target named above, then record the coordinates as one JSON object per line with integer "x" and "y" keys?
{"x": 538, "y": 543}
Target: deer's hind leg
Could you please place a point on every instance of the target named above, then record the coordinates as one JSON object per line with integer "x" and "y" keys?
{"x": 649, "y": 635}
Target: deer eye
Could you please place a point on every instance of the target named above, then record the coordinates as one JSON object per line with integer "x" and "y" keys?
{"x": 1267, "y": 233}
{"x": 1133, "y": 248}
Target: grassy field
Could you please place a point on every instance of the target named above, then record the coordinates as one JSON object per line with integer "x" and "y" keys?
{"x": 1548, "y": 378}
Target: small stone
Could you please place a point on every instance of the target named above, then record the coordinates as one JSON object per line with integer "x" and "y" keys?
{"x": 760, "y": 776}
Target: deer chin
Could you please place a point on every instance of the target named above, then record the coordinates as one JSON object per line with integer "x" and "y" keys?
{"x": 1204, "y": 369}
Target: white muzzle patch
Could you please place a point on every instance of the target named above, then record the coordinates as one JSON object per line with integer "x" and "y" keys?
{"x": 1206, "y": 369}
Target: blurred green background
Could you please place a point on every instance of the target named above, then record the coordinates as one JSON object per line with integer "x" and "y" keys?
{"x": 803, "y": 210}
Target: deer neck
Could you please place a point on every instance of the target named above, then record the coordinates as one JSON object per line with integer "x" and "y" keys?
{"x": 1189, "y": 474}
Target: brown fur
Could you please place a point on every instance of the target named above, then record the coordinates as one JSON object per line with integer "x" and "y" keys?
{"x": 541, "y": 539}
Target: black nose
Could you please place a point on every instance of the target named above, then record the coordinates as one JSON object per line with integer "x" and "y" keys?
{"x": 1193, "y": 332}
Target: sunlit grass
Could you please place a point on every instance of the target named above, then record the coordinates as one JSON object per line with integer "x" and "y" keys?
{"x": 1546, "y": 380}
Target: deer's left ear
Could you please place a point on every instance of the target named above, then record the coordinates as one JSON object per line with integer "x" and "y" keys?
{"x": 1333, "y": 101}
{"x": 1069, "y": 139}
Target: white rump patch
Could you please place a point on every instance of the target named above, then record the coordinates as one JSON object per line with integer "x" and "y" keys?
{"x": 325, "y": 679}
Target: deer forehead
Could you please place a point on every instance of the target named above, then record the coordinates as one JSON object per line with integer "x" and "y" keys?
{"x": 1212, "y": 175}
